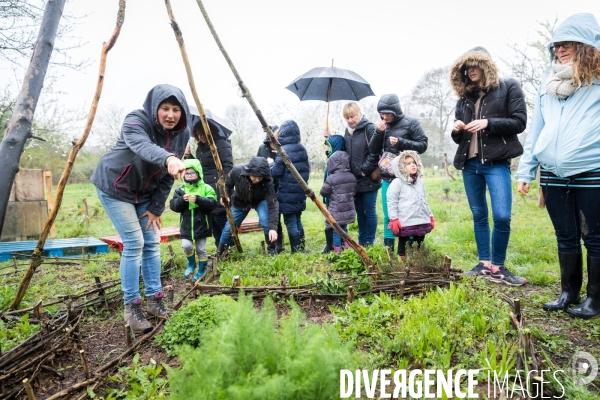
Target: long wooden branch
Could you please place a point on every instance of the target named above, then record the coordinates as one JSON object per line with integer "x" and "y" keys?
{"x": 209, "y": 137}
{"x": 309, "y": 192}
{"x": 36, "y": 258}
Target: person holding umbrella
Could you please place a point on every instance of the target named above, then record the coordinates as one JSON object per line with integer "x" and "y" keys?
{"x": 395, "y": 133}
{"x": 357, "y": 136}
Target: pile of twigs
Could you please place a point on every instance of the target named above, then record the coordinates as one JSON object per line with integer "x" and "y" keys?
{"x": 401, "y": 283}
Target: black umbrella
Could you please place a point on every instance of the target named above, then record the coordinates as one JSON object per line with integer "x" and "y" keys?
{"x": 223, "y": 126}
{"x": 330, "y": 84}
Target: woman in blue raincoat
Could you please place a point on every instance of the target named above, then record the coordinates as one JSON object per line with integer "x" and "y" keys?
{"x": 564, "y": 139}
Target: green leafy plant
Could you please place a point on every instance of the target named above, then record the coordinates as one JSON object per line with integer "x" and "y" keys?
{"x": 10, "y": 336}
{"x": 145, "y": 382}
{"x": 189, "y": 324}
{"x": 252, "y": 356}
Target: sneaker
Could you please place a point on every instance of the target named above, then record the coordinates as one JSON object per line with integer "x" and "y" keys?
{"x": 156, "y": 306}
{"x": 134, "y": 316}
{"x": 479, "y": 270}
{"x": 503, "y": 275}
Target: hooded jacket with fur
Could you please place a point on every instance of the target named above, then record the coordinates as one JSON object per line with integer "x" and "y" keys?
{"x": 134, "y": 170}
{"x": 245, "y": 195}
{"x": 409, "y": 132}
{"x": 194, "y": 220}
{"x": 503, "y": 105}
{"x": 407, "y": 201}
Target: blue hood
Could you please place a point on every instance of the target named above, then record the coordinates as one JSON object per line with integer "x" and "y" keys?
{"x": 289, "y": 133}
{"x": 582, "y": 28}
{"x": 336, "y": 143}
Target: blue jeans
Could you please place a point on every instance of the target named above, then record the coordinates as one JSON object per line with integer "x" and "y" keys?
{"x": 574, "y": 214}
{"x": 337, "y": 239}
{"x": 366, "y": 216}
{"x": 240, "y": 215}
{"x": 293, "y": 223}
{"x": 139, "y": 246}
{"x": 387, "y": 232}
{"x": 496, "y": 176}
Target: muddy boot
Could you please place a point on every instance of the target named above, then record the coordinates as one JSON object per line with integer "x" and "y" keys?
{"x": 134, "y": 316}
{"x": 156, "y": 306}
{"x": 279, "y": 245}
{"x": 221, "y": 249}
{"x": 571, "y": 275}
{"x": 191, "y": 266}
{"x": 328, "y": 241}
{"x": 201, "y": 269}
{"x": 591, "y": 306}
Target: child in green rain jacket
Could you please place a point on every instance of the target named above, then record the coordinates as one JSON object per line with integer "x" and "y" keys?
{"x": 194, "y": 201}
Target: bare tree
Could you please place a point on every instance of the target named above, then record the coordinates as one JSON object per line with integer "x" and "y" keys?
{"x": 107, "y": 127}
{"x": 19, "y": 28}
{"x": 19, "y": 126}
{"x": 247, "y": 134}
{"x": 433, "y": 102}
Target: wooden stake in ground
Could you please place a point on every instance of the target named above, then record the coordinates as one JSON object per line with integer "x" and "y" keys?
{"x": 18, "y": 129}
{"x": 209, "y": 137}
{"x": 309, "y": 192}
{"x": 36, "y": 258}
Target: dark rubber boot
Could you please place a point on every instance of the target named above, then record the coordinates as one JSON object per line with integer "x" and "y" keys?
{"x": 221, "y": 249}
{"x": 591, "y": 306}
{"x": 328, "y": 241}
{"x": 571, "y": 275}
{"x": 271, "y": 246}
{"x": 294, "y": 241}
{"x": 389, "y": 243}
{"x": 302, "y": 241}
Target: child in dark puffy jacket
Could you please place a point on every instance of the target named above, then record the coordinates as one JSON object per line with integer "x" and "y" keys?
{"x": 194, "y": 201}
{"x": 340, "y": 187}
{"x": 410, "y": 216}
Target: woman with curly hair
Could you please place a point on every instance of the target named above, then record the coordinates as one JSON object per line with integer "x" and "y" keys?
{"x": 564, "y": 139}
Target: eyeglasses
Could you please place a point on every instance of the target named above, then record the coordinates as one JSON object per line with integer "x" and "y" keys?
{"x": 191, "y": 173}
{"x": 564, "y": 45}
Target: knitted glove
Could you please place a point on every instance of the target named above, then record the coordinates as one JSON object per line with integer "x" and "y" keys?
{"x": 432, "y": 220}
{"x": 395, "y": 226}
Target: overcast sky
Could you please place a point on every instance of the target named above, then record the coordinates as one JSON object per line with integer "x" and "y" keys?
{"x": 389, "y": 43}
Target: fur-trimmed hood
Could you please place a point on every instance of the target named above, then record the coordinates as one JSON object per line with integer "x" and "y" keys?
{"x": 478, "y": 57}
{"x": 398, "y": 165}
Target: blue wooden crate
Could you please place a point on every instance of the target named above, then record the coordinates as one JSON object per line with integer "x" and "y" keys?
{"x": 54, "y": 247}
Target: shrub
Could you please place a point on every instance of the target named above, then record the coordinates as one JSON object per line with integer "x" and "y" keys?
{"x": 251, "y": 356}
{"x": 188, "y": 325}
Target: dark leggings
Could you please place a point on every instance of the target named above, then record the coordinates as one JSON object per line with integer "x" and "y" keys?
{"x": 402, "y": 241}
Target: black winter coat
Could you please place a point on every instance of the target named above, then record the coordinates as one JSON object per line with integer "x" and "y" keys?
{"x": 265, "y": 151}
{"x": 340, "y": 187}
{"x": 244, "y": 195}
{"x": 505, "y": 109}
{"x": 209, "y": 168}
{"x": 408, "y": 130}
{"x": 360, "y": 159}
{"x": 290, "y": 195}
{"x": 199, "y": 215}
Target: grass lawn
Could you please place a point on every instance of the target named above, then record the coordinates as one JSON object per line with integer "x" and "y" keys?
{"x": 388, "y": 332}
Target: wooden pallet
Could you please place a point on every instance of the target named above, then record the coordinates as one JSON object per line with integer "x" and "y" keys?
{"x": 54, "y": 247}
{"x": 165, "y": 235}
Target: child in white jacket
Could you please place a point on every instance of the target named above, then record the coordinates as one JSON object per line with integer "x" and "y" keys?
{"x": 410, "y": 216}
